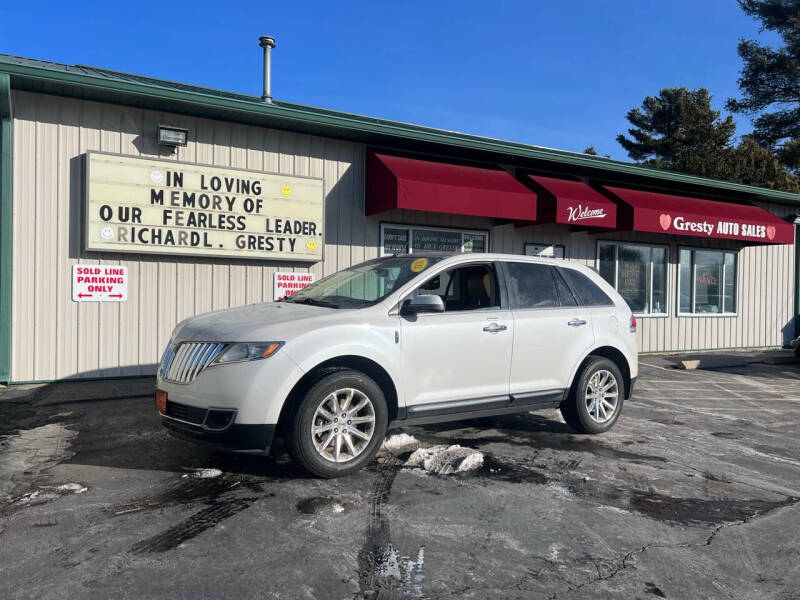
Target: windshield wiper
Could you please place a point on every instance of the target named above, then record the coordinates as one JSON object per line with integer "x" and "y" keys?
{"x": 315, "y": 302}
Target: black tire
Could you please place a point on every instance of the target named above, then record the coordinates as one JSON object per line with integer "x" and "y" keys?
{"x": 299, "y": 439}
{"x": 574, "y": 408}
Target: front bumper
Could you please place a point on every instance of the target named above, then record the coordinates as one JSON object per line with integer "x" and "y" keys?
{"x": 256, "y": 390}
{"x": 250, "y": 439}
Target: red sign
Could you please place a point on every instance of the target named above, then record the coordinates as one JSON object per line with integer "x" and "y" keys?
{"x": 573, "y": 203}
{"x": 679, "y": 215}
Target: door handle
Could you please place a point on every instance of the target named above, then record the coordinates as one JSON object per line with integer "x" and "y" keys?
{"x": 494, "y": 328}
{"x": 576, "y": 322}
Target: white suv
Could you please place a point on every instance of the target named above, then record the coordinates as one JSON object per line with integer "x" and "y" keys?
{"x": 400, "y": 340}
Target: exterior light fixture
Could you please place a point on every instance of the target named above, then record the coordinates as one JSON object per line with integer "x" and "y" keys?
{"x": 172, "y": 136}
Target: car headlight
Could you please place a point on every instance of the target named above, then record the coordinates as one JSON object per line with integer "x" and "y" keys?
{"x": 244, "y": 351}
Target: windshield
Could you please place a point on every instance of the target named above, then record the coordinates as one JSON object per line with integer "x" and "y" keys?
{"x": 364, "y": 284}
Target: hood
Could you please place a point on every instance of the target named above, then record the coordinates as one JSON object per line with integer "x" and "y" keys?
{"x": 251, "y": 323}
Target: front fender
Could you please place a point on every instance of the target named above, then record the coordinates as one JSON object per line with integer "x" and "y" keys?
{"x": 376, "y": 343}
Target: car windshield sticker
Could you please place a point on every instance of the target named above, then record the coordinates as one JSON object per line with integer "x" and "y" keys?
{"x": 419, "y": 264}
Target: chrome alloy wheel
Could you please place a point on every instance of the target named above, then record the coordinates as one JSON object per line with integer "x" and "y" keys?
{"x": 343, "y": 425}
{"x": 602, "y": 396}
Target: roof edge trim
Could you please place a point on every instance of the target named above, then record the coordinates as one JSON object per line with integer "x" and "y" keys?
{"x": 375, "y": 126}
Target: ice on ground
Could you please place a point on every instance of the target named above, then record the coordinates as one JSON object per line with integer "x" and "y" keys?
{"x": 202, "y": 473}
{"x": 444, "y": 460}
{"x": 26, "y": 454}
{"x": 400, "y": 441}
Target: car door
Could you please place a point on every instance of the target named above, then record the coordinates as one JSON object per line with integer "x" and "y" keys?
{"x": 461, "y": 354}
{"x": 552, "y": 332}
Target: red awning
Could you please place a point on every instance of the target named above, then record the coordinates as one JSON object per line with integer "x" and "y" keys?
{"x": 679, "y": 215}
{"x": 573, "y": 203}
{"x": 395, "y": 182}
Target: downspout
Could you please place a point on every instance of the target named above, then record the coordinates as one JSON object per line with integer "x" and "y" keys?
{"x": 6, "y": 246}
{"x": 797, "y": 278}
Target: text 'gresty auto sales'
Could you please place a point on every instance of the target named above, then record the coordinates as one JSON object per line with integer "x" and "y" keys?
{"x": 144, "y": 205}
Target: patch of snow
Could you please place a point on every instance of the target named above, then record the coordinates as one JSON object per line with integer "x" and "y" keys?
{"x": 48, "y": 493}
{"x": 337, "y": 508}
{"x": 400, "y": 441}
{"x": 615, "y": 509}
{"x": 444, "y": 460}
{"x": 202, "y": 473}
{"x": 73, "y": 488}
{"x": 553, "y": 552}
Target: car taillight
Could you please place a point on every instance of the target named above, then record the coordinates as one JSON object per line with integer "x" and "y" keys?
{"x": 633, "y": 324}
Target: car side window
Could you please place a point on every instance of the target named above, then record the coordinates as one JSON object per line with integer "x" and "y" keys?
{"x": 464, "y": 288}
{"x": 565, "y": 295}
{"x": 587, "y": 291}
{"x": 532, "y": 285}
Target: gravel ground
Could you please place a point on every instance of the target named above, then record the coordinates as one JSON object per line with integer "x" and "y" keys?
{"x": 694, "y": 494}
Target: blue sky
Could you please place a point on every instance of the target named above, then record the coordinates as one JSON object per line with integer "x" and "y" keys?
{"x": 557, "y": 74}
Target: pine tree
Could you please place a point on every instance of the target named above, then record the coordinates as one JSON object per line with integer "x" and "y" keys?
{"x": 770, "y": 79}
{"x": 678, "y": 130}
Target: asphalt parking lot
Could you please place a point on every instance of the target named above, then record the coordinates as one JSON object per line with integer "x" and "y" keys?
{"x": 694, "y": 494}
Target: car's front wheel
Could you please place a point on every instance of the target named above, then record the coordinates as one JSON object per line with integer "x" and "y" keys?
{"x": 339, "y": 425}
{"x": 595, "y": 401}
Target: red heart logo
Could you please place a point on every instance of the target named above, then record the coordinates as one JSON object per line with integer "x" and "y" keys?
{"x": 665, "y": 221}
{"x": 771, "y": 232}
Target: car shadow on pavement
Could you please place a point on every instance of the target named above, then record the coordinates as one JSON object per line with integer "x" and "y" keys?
{"x": 117, "y": 426}
{"x": 521, "y": 423}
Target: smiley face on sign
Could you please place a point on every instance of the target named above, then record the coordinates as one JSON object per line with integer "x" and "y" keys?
{"x": 312, "y": 246}
{"x": 286, "y": 190}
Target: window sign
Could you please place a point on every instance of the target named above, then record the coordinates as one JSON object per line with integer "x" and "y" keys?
{"x": 475, "y": 242}
{"x": 707, "y": 282}
{"x": 400, "y": 239}
{"x": 638, "y": 272}
{"x": 395, "y": 241}
{"x": 545, "y": 250}
{"x": 437, "y": 240}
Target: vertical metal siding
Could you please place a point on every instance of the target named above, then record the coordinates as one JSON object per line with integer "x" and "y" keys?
{"x": 54, "y": 337}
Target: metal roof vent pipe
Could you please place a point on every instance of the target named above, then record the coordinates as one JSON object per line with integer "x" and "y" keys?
{"x": 267, "y": 43}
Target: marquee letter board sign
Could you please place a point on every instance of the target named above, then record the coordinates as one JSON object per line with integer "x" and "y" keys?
{"x": 147, "y": 205}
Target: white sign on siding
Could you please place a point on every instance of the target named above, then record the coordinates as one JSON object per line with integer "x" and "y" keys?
{"x": 286, "y": 284}
{"x": 136, "y": 204}
{"x": 99, "y": 283}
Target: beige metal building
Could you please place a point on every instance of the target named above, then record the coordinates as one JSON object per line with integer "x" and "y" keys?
{"x": 705, "y": 264}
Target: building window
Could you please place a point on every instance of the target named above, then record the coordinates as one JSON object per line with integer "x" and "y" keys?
{"x": 638, "y": 272}
{"x": 706, "y": 282}
{"x": 402, "y": 239}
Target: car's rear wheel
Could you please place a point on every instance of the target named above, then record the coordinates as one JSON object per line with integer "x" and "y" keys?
{"x": 339, "y": 425}
{"x": 595, "y": 401}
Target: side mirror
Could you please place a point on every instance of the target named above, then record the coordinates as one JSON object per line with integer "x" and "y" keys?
{"x": 423, "y": 304}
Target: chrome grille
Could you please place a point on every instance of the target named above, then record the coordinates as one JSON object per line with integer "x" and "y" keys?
{"x": 183, "y": 362}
